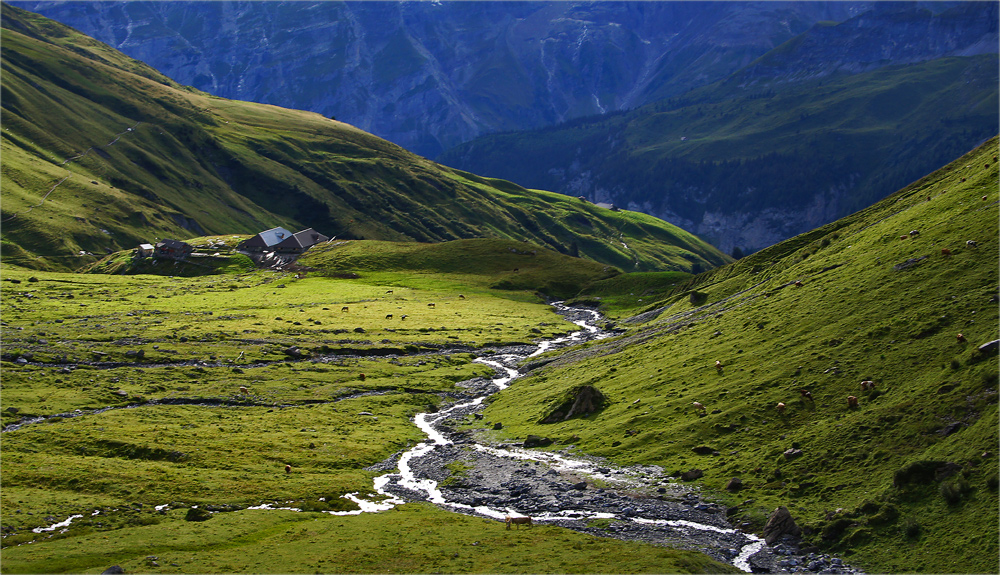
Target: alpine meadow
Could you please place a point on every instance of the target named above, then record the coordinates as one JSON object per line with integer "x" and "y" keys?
{"x": 444, "y": 372}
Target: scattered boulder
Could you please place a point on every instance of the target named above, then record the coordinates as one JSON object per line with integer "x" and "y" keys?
{"x": 197, "y": 514}
{"x": 113, "y": 570}
{"x": 791, "y": 454}
{"x": 692, "y": 474}
{"x": 703, "y": 450}
{"x": 734, "y": 485}
{"x": 778, "y": 524}
{"x": 989, "y": 348}
{"x": 293, "y": 352}
{"x": 537, "y": 441}
{"x": 497, "y": 426}
{"x": 580, "y": 486}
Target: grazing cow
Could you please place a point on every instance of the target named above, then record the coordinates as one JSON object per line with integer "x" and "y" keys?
{"x": 718, "y": 365}
{"x": 388, "y": 291}
{"x": 517, "y": 270}
{"x": 388, "y": 316}
{"x": 984, "y": 198}
{"x": 343, "y": 308}
{"x": 698, "y": 407}
{"x": 780, "y": 407}
{"x": 971, "y": 244}
{"x": 244, "y": 390}
{"x": 517, "y": 521}
{"x": 904, "y": 237}
{"x": 806, "y": 394}
{"x": 430, "y": 305}
{"x": 945, "y": 252}
{"x": 914, "y": 233}
{"x": 402, "y": 317}
{"x": 960, "y": 337}
{"x": 798, "y": 283}
{"x": 867, "y": 384}
{"x": 361, "y": 376}
{"x": 852, "y": 402}
{"x": 288, "y": 469}
{"x": 460, "y": 296}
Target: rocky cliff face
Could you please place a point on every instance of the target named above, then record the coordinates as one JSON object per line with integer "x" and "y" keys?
{"x": 430, "y": 75}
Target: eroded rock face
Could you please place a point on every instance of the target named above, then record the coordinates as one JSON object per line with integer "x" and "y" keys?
{"x": 583, "y": 400}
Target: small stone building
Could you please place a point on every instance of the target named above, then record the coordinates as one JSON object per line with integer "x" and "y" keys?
{"x": 172, "y": 250}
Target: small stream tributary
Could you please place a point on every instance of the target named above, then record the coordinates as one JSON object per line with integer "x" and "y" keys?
{"x": 634, "y": 503}
{"x": 553, "y": 487}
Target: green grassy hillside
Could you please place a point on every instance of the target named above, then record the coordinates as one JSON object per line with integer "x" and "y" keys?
{"x": 907, "y": 481}
{"x": 101, "y": 152}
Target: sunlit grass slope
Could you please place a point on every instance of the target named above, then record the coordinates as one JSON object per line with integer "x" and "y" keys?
{"x": 152, "y": 159}
{"x": 906, "y": 482}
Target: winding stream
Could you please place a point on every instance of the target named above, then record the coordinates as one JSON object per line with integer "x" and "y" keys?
{"x": 549, "y": 486}
{"x": 650, "y": 518}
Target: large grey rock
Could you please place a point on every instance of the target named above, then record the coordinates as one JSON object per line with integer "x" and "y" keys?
{"x": 778, "y": 524}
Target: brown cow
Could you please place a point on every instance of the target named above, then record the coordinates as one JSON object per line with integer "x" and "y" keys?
{"x": 343, "y": 308}
{"x": 805, "y": 394}
{"x": 288, "y": 469}
{"x": 517, "y": 521}
{"x": 698, "y": 406}
{"x": 780, "y": 407}
{"x": 852, "y": 402}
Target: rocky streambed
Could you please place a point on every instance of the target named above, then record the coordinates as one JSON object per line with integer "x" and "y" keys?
{"x": 580, "y": 493}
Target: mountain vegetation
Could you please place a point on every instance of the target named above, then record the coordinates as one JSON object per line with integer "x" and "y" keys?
{"x": 822, "y": 126}
{"x": 101, "y": 153}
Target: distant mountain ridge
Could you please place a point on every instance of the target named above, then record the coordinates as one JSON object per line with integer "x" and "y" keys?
{"x": 889, "y": 34}
{"x": 431, "y": 75}
{"x": 819, "y": 127}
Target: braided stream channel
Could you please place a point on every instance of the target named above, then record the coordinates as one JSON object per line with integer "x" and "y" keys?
{"x": 636, "y": 503}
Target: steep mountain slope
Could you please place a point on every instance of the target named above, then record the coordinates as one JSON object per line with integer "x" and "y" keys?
{"x": 430, "y": 75}
{"x": 816, "y": 129}
{"x": 902, "y": 294}
{"x": 101, "y": 152}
